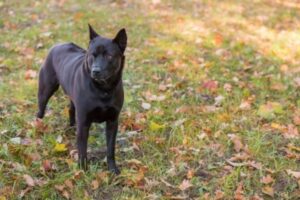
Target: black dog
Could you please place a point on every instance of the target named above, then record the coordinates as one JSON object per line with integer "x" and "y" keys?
{"x": 92, "y": 79}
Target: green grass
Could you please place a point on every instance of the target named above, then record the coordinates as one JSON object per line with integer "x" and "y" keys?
{"x": 179, "y": 45}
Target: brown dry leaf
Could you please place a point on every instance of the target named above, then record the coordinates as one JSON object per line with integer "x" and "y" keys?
{"x": 218, "y": 38}
{"x": 134, "y": 163}
{"x": 297, "y": 82}
{"x": 30, "y": 74}
{"x": 39, "y": 125}
{"x": 242, "y": 156}
{"x": 238, "y": 145}
{"x": 291, "y": 132}
{"x": 210, "y": 85}
{"x": 278, "y": 87}
{"x": 95, "y": 184}
{"x": 69, "y": 184}
{"x": 185, "y": 185}
{"x": 136, "y": 180}
{"x": 60, "y": 188}
{"x": 296, "y": 118}
{"x": 295, "y": 174}
{"x": 23, "y": 192}
{"x": 255, "y": 165}
{"x": 268, "y": 190}
{"x": 66, "y": 194}
{"x": 256, "y": 197}
{"x": 34, "y": 156}
{"x": 219, "y": 194}
{"x": 267, "y": 179}
{"x": 245, "y": 105}
{"x": 239, "y": 193}
{"x": 293, "y": 147}
{"x": 102, "y": 175}
{"x": 78, "y": 16}
{"x": 78, "y": 174}
{"x": 190, "y": 174}
{"x": 162, "y": 87}
{"x": 29, "y": 180}
{"x": 227, "y": 87}
{"x": 47, "y": 165}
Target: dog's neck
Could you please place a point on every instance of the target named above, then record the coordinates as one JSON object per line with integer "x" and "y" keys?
{"x": 112, "y": 82}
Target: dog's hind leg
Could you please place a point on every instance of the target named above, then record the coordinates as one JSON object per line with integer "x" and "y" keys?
{"x": 72, "y": 113}
{"x": 48, "y": 84}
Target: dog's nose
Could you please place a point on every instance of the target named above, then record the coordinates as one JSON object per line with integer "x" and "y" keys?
{"x": 96, "y": 72}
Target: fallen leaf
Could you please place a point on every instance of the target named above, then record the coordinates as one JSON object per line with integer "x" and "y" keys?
{"x": 256, "y": 197}
{"x": 95, "y": 184}
{"x": 30, "y": 74}
{"x": 155, "y": 127}
{"x": 39, "y": 125}
{"x": 218, "y": 38}
{"x": 185, "y": 185}
{"x": 190, "y": 174}
{"x": 29, "y": 180}
{"x": 210, "y": 85}
{"x": 269, "y": 110}
{"x": 60, "y": 147}
{"x": 219, "y": 195}
{"x": 236, "y": 140}
{"x": 296, "y": 118}
{"x": 255, "y": 165}
{"x": 239, "y": 193}
{"x": 227, "y": 87}
{"x": 60, "y": 188}
{"x": 69, "y": 184}
{"x": 47, "y": 165}
{"x": 268, "y": 190}
{"x": 66, "y": 194}
{"x": 146, "y": 106}
{"x": 267, "y": 179}
{"x": 245, "y": 105}
{"x": 291, "y": 132}
{"x": 297, "y": 82}
{"x": 162, "y": 87}
{"x": 22, "y": 194}
{"x": 78, "y": 174}
{"x": 295, "y": 174}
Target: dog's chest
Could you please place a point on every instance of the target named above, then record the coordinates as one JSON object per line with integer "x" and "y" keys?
{"x": 102, "y": 113}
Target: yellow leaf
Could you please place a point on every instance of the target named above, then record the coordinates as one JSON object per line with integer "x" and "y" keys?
{"x": 155, "y": 127}
{"x": 268, "y": 190}
{"x": 60, "y": 147}
{"x": 2, "y": 198}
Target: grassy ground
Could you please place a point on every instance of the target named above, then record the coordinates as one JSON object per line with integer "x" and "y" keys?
{"x": 222, "y": 81}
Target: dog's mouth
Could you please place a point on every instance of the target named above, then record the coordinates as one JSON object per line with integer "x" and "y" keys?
{"x": 101, "y": 80}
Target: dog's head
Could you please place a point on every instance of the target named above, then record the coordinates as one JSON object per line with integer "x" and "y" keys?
{"x": 105, "y": 55}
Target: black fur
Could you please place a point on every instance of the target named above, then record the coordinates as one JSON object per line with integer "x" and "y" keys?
{"x": 92, "y": 79}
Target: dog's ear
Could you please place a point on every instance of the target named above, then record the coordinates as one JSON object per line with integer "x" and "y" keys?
{"x": 93, "y": 33}
{"x": 121, "y": 39}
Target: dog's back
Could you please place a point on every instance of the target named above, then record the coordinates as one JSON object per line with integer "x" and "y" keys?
{"x": 62, "y": 63}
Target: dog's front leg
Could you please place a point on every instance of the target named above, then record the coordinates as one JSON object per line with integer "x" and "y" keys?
{"x": 111, "y": 133}
{"x": 82, "y": 139}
